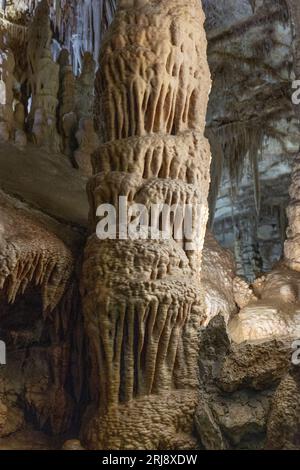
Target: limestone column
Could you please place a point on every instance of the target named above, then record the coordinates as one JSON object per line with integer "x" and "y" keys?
{"x": 142, "y": 298}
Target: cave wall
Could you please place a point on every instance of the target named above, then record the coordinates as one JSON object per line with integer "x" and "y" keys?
{"x": 254, "y": 127}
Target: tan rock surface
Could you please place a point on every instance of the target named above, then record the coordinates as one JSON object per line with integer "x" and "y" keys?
{"x": 142, "y": 320}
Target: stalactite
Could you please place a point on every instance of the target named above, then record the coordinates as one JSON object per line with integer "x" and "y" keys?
{"x": 282, "y": 222}
{"x": 239, "y": 142}
{"x": 216, "y": 172}
{"x": 253, "y": 157}
{"x": 34, "y": 256}
{"x": 80, "y": 26}
{"x": 16, "y": 32}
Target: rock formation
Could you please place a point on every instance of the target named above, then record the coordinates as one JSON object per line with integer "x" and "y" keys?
{"x": 44, "y": 98}
{"x": 6, "y": 90}
{"x": 67, "y": 90}
{"x": 142, "y": 298}
{"x": 292, "y": 244}
{"x": 38, "y": 307}
{"x": 36, "y": 257}
{"x": 219, "y": 284}
{"x": 88, "y": 142}
{"x": 273, "y": 312}
{"x": 246, "y": 389}
{"x": 85, "y": 88}
{"x": 39, "y": 40}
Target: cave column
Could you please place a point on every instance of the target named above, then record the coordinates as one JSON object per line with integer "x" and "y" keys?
{"x": 142, "y": 298}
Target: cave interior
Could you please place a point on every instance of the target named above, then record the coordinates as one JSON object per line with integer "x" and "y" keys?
{"x": 142, "y": 343}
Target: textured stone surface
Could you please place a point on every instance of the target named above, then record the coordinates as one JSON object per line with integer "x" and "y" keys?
{"x": 217, "y": 279}
{"x": 29, "y": 439}
{"x": 32, "y": 176}
{"x": 29, "y": 253}
{"x": 142, "y": 319}
{"x": 40, "y": 313}
{"x": 257, "y": 366}
{"x": 276, "y": 311}
{"x": 242, "y": 419}
{"x": 207, "y": 428}
{"x": 248, "y": 398}
{"x": 284, "y": 419}
{"x": 161, "y": 421}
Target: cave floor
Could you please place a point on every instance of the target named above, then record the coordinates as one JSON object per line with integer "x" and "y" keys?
{"x": 30, "y": 439}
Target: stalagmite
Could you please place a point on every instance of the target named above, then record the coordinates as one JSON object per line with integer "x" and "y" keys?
{"x": 142, "y": 299}
{"x": 81, "y": 24}
{"x": 16, "y": 31}
{"x": 218, "y": 283}
{"x": 43, "y": 75}
{"x": 85, "y": 88}
{"x": 88, "y": 142}
{"x": 7, "y": 66}
{"x": 67, "y": 117}
{"x": 45, "y": 96}
{"x": 39, "y": 39}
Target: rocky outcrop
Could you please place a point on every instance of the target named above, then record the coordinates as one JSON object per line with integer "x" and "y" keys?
{"x": 218, "y": 283}
{"x": 284, "y": 419}
{"x": 274, "y": 312}
{"x": 40, "y": 318}
{"x": 248, "y": 399}
{"x": 142, "y": 298}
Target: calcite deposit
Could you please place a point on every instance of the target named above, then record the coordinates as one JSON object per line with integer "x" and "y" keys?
{"x": 142, "y": 323}
{"x": 29, "y": 253}
{"x": 39, "y": 318}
